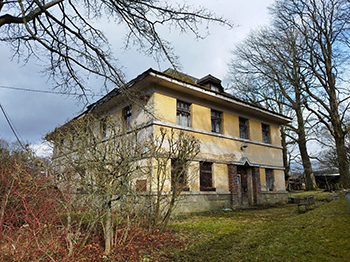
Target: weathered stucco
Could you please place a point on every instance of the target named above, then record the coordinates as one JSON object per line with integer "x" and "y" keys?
{"x": 232, "y": 158}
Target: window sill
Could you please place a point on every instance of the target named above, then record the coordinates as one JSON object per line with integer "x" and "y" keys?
{"x": 207, "y": 188}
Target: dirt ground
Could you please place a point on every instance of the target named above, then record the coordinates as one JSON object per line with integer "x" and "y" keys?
{"x": 141, "y": 246}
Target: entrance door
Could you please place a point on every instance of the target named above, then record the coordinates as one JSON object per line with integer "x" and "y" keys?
{"x": 242, "y": 172}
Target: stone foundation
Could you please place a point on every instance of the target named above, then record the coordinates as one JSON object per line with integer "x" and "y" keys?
{"x": 199, "y": 202}
{"x": 272, "y": 198}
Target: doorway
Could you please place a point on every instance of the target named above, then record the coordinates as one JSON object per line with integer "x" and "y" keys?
{"x": 244, "y": 173}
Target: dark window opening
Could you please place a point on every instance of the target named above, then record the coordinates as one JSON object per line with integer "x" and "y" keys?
{"x": 104, "y": 128}
{"x": 178, "y": 176}
{"x": 243, "y": 128}
{"x": 269, "y": 179}
{"x": 206, "y": 177}
{"x": 265, "y": 133}
{"x": 127, "y": 116}
{"x": 216, "y": 121}
{"x": 141, "y": 185}
{"x": 183, "y": 114}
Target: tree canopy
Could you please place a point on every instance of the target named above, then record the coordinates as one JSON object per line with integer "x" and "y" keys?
{"x": 63, "y": 33}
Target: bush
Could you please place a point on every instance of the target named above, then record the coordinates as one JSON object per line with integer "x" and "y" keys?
{"x": 31, "y": 228}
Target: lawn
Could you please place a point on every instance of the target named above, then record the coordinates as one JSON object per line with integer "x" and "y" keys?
{"x": 273, "y": 234}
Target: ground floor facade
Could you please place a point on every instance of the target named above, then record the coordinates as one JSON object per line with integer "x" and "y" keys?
{"x": 217, "y": 186}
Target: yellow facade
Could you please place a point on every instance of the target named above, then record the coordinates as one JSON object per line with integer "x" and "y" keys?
{"x": 200, "y": 117}
{"x": 230, "y": 124}
{"x": 238, "y": 165}
{"x": 164, "y": 108}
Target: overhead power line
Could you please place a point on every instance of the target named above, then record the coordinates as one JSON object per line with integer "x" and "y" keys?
{"x": 44, "y": 91}
{"x": 11, "y": 126}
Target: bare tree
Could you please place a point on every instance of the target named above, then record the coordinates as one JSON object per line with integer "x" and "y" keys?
{"x": 324, "y": 26}
{"x": 65, "y": 32}
{"x": 266, "y": 70}
{"x": 100, "y": 160}
{"x": 103, "y": 159}
{"x": 179, "y": 150}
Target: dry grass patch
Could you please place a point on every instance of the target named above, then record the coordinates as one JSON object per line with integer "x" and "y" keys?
{"x": 274, "y": 234}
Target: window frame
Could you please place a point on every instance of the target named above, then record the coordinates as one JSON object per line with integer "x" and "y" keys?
{"x": 183, "y": 109}
{"x": 206, "y": 176}
{"x": 216, "y": 118}
{"x": 127, "y": 116}
{"x": 103, "y": 128}
{"x": 265, "y": 130}
{"x": 269, "y": 179}
{"x": 182, "y": 183}
{"x": 243, "y": 128}
{"x": 141, "y": 185}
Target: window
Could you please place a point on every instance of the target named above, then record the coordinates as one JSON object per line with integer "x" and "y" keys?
{"x": 206, "y": 177}
{"x": 183, "y": 114}
{"x": 216, "y": 121}
{"x": 141, "y": 185}
{"x": 103, "y": 127}
{"x": 243, "y": 128}
{"x": 127, "y": 116}
{"x": 265, "y": 133}
{"x": 178, "y": 176}
{"x": 269, "y": 179}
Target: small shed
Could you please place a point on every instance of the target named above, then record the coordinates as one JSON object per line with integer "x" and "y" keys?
{"x": 328, "y": 182}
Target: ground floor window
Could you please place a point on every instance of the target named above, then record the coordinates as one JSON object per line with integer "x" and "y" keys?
{"x": 269, "y": 179}
{"x": 141, "y": 185}
{"x": 206, "y": 176}
{"x": 178, "y": 176}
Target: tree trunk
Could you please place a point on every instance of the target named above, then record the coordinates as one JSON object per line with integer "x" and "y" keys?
{"x": 310, "y": 178}
{"x": 342, "y": 162}
{"x": 305, "y": 158}
{"x": 285, "y": 155}
{"x": 339, "y": 134}
{"x": 109, "y": 231}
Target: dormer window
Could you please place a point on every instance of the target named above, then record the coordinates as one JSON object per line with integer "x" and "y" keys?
{"x": 211, "y": 82}
{"x": 215, "y": 88}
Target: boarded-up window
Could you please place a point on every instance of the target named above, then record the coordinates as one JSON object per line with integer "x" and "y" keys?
{"x": 269, "y": 179}
{"x": 178, "y": 176}
{"x": 206, "y": 177}
{"x": 141, "y": 185}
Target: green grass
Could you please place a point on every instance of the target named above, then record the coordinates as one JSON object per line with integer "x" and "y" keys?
{"x": 273, "y": 234}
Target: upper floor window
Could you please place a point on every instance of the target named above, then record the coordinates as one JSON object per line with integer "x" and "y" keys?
{"x": 216, "y": 121}
{"x": 127, "y": 116}
{"x": 243, "y": 128}
{"x": 183, "y": 114}
{"x": 269, "y": 179}
{"x": 265, "y": 133}
{"x": 103, "y": 128}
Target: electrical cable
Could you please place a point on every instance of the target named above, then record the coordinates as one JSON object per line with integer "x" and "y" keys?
{"x": 11, "y": 126}
{"x": 44, "y": 91}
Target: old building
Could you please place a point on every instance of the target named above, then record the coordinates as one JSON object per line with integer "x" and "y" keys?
{"x": 240, "y": 160}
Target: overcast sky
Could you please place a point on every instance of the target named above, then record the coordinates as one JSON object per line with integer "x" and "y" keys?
{"x": 35, "y": 114}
